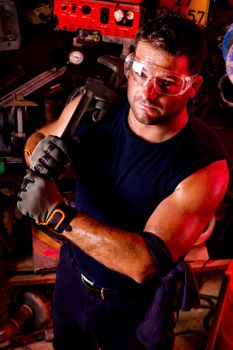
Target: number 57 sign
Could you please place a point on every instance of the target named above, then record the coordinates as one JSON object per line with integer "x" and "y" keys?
{"x": 196, "y": 10}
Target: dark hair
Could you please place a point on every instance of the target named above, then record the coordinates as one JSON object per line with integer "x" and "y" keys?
{"x": 176, "y": 35}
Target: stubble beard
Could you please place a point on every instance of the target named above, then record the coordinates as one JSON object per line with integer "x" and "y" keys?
{"x": 157, "y": 116}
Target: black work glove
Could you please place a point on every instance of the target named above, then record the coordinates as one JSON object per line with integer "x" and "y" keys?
{"x": 38, "y": 196}
{"x": 50, "y": 157}
{"x": 40, "y": 199}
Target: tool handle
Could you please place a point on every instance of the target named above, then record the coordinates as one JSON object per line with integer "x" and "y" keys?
{"x": 78, "y": 113}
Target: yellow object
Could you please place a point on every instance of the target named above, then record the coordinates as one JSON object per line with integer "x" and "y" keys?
{"x": 195, "y": 10}
{"x": 38, "y": 15}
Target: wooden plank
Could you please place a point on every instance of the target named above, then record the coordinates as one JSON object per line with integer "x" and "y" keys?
{"x": 24, "y": 265}
{"x": 30, "y": 279}
{"x": 211, "y": 265}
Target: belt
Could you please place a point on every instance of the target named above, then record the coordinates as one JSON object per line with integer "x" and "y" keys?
{"x": 110, "y": 294}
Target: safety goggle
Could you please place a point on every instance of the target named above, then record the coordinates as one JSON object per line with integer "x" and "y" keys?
{"x": 164, "y": 81}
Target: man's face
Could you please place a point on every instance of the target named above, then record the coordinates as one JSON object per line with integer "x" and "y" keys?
{"x": 150, "y": 106}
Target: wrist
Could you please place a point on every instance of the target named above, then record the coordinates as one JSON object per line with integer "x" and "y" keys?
{"x": 60, "y": 218}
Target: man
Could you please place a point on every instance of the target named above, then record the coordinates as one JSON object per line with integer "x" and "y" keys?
{"x": 149, "y": 179}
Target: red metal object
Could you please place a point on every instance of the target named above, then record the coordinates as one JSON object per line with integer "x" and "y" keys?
{"x": 221, "y": 335}
{"x": 46, "y": 251}
{"x": 111, "y": 19}
{"x": 225, "y": 335}
{"x": 130, "y": 1}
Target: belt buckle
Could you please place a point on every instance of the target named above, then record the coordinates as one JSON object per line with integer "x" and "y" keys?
{"x": 86, "y": 280}
{"x": 102, "y": 293}
{"x": 91, "y": 285}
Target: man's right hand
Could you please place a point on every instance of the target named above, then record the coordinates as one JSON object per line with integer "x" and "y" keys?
{"x": 38, "y": 196}
{"x": 50, "y": 157}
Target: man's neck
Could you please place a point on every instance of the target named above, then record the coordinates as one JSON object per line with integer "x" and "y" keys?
{"x": 157, "y": 133}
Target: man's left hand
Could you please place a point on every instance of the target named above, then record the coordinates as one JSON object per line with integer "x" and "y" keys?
{"x": 50, "y": 156}
{"x": 38, "y": 197}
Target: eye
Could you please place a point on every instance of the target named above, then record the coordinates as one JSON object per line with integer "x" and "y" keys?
{"x": 167, "y": 85}
{"x": 166, "y": 82}
{"x": 142, "y": 74}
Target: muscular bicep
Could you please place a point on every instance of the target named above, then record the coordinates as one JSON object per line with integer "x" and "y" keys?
{"x": 180, "y": 218}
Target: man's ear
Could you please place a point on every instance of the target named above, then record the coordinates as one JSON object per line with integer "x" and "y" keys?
{"x": 195, "y": 86}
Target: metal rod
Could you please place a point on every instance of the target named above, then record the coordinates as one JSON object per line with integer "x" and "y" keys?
{"x": 32, "y": 85}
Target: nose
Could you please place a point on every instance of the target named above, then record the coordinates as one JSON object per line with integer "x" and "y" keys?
{"x": 149, "y": 90}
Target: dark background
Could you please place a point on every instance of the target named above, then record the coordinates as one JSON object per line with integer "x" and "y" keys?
{"x": 42, "y": 47}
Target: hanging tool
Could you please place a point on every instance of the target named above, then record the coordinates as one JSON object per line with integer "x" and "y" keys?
{"x": 19, "y": 105}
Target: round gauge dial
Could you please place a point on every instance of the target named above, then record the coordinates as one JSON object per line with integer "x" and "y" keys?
{"x": 76, "y": 57}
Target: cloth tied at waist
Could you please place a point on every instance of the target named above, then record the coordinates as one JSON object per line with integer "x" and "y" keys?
{"x": 176, "y": 291}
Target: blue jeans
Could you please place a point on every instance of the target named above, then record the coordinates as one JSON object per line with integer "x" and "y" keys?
{"x": 83, "y": 321}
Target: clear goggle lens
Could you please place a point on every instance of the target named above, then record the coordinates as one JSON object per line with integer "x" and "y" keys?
{"x": 164, "y": 81}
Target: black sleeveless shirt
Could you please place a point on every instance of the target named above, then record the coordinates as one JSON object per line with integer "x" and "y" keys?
{"x": 121, "y": 178}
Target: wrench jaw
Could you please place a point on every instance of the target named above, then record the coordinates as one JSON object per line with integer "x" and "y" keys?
{"x": 98, "y": 94}
{"x": 116, "y": 64}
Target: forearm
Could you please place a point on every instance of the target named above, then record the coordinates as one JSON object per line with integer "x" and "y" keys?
{"x": 37, "y": 136}
{"x": 122, "y": 251}
{"x": 56, "y": 128}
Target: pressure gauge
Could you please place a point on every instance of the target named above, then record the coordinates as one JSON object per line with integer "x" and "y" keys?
{"x": 76, "y": 57}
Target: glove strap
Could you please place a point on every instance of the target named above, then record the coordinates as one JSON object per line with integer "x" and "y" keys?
{"x": 60, "y": 218}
